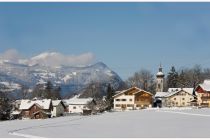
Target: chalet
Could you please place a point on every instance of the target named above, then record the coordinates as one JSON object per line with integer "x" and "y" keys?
{"x": 78, "y": 105}
{"x": 58, "y": 108}
{"x": 132, "y": 98}
{"x": 36, "y": 109}
{"x": 175, "y": 97}
{"x": 203, "y": 91}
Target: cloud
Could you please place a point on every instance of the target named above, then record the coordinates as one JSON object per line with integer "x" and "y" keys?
{"x": 49, "y": 58}
{"x": 11, "y": 55}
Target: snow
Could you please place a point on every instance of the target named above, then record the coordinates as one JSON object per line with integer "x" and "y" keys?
{"x": 78, "y": 101}
{"x": 161, "y": 94}
{"x": 150, "y": 123}
{"x": 26, "y": 104}
{"x": 188, "y": 90}
{"x": 66, "y": 78}
{"x": 56, "y": 102}
{"x": 11, "y": 86}
{"x": 159, "y": 73}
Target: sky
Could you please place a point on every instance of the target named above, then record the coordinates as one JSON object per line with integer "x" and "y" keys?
{"x": 127, "y": 37}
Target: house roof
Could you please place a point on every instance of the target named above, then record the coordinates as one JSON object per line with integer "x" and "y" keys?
{"x": 188, "y": 90}
{"x": 44, "y": 104}
{"x": 205, "y": 85}
{"x": 56, "y": 102}
{"x": 161, "y": 94}
{"x": 137, "y": 91}
{"x": 77, "y": 101}
{"x": 172, "y": 91}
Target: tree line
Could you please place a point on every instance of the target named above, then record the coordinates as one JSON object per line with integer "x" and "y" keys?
{"x": 184, "y": 77}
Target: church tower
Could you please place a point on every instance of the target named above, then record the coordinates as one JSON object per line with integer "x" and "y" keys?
{"x": 159, "y": 80}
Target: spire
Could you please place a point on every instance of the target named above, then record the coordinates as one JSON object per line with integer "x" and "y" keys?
{"x": 160, "y": 68}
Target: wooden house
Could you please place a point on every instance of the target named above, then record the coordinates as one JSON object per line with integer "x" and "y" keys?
{"x": 203, "y": 91}
{"x": 132, "y": 98}
{"x": 36, "y": 109}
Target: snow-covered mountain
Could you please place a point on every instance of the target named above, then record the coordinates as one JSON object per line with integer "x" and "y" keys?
{"x": 71, "y": 79}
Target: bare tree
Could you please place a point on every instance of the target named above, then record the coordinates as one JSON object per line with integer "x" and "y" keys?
{"x": 143, "y": 79}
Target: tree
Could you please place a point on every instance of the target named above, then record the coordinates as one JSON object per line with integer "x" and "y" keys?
{"x": 172, "y": 78}
{"x": 143, "y": 79}
{"x": 5, "y": 106}
{"x": 49, "y": 90}
{"x": 109, "y": 98}
{"x": 24, "y": 91}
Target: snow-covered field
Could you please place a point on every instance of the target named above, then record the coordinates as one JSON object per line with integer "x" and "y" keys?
{"x": 153, "y": 123}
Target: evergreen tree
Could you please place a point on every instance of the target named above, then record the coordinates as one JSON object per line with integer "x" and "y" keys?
{"x": 49, "y": 90}
{"x": 172, "y": 78}
{"x": 5, "y": 106}
{"x": 109, "y": 98}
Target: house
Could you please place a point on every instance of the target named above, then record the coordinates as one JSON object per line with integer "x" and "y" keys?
{"x": 36, "y": 109}
{"x": 203, "y": 91}
{"x": 132, "y": 98}
{"x": 175, "y": 97}
{"x": 58, "y": 108}
{"x": 78, "y": 105}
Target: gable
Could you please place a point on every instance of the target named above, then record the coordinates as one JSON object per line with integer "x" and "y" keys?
{"x": 199, "y": 89}
{"x": 143, "y": 94}
{"x": 37, "y": 107}
{"x": 181, "y": 93}
{"x": 131, "y": 91}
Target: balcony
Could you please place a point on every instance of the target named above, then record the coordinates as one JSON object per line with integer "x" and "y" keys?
{"x": 205, "y": 98}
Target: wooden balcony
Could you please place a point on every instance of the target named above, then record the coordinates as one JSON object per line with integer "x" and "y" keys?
{"x": 205, "y": 98}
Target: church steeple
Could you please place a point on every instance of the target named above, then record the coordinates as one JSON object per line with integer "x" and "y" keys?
{"x": 159, "y": 79}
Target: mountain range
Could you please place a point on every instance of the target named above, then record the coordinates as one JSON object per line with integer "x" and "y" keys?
{"x": 71, "y": 79}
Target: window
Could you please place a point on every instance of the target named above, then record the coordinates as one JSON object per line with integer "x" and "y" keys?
{"x": 190, "y": 98}
{"x": 130, "y": 100}
{"x": 176, "y": 103}
{"x": 183, "y": 98}
{"x": 117, "y": 100}
{"x": 174, "y": 98}
{"x": 123, "y": 99}
{"x": 129, "y": 105}
{"x": 117, "y": 105}
{"x": 74, "y": 107}
{"x": 183, "y": 103}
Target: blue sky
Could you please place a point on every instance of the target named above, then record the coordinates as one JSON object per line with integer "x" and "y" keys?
{"x": 125, "y": 36}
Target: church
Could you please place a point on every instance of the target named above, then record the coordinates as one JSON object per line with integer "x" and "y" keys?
{"x": 174, "y": 97}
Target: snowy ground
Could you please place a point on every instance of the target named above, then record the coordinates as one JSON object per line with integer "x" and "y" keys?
{"x": 153, "y": 123}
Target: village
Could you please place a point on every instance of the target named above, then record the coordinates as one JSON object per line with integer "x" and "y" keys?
{"x": 132, "y": 98}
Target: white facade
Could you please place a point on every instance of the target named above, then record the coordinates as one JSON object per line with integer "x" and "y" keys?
{"x": 159, "y": 80}
{"x": 124, "y": 100}
{"x": 77, "y": 108}
{"x": 176, "y": 97}
{"x": 77, "y": 105}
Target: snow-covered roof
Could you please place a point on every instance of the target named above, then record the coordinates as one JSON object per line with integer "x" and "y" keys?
{"x": 188, "y": 90}
{"x": 172, "y": 91}
{"x": 16, "y": 112}
{"x": 56, "y": 102}
{"x": 205, "y": 85}
{"x": 161, "y": 94}
{"x": 26, "y": 104}
{"x": 77, "y": 101}
{"x": 160, "y": 73}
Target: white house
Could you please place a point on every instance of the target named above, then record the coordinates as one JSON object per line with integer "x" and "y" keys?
{"x": 58, "y": 108}
{"x": 77, "y": 105}
{"x": 175, "y": 97}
